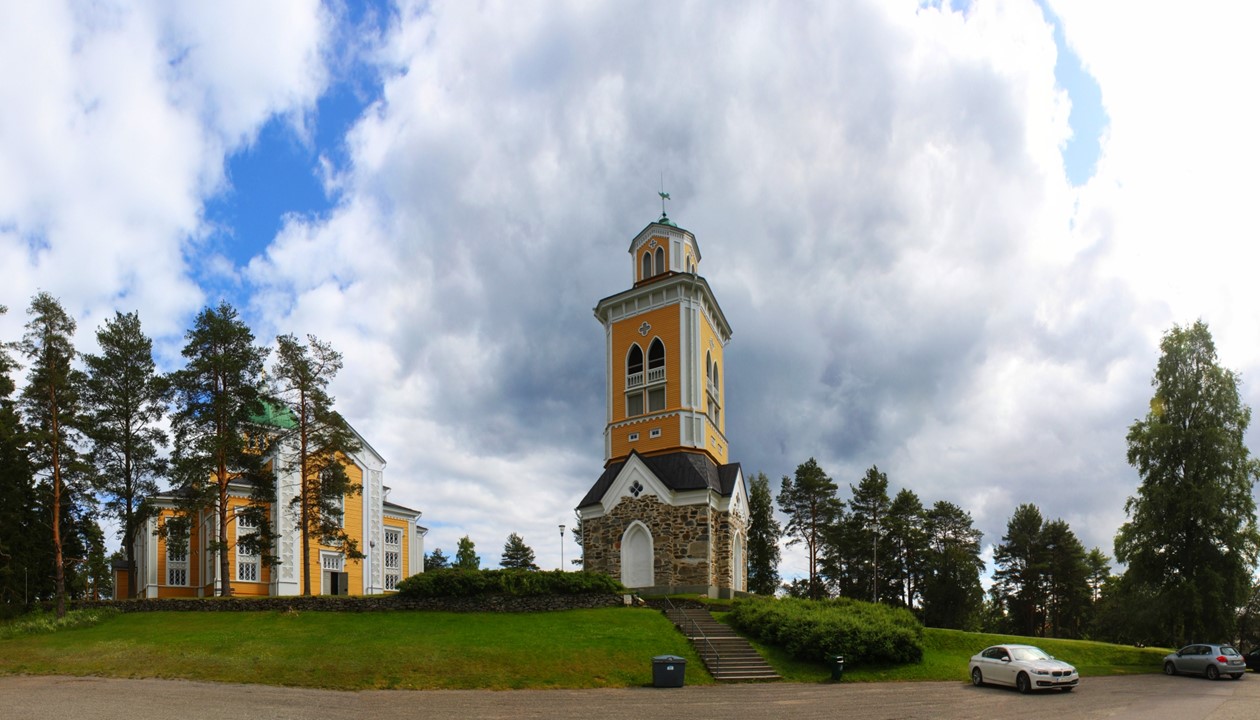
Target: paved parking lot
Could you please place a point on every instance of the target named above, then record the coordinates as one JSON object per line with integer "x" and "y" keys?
{"x": 1149, "y": 697}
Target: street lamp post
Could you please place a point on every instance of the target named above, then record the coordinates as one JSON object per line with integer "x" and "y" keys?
{"x": 562, "y": 547}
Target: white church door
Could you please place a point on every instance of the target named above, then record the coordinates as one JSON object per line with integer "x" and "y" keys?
{"x": 737, "y": 563}
{"x": 636, "y": 557}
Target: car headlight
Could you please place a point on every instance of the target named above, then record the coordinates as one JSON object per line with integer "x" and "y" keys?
{"x": 1039, "y": 671}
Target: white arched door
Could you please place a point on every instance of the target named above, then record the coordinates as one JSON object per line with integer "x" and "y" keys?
{"x": 636, "y": 557}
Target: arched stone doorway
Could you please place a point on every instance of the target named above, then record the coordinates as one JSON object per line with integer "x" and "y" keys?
{"x": 636, "y": 557}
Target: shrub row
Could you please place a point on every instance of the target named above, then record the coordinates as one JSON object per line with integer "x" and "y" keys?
{"x": 451, "y": 582}
{"x": 814, "y": 629}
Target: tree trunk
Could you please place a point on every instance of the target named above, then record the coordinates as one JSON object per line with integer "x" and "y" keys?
{"x": 58, "y": 562}
{"x": 225, "y": 562}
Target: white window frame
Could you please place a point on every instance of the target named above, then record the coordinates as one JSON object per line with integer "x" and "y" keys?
{"x": 392, "y": 557}
{"x": 176, "y": 567}
{"x": 248, "y": 565}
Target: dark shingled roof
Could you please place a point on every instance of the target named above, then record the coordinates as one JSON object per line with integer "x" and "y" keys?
{"x": 678, "y": 470}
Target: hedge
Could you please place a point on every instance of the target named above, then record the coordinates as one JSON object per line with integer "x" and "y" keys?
{"x": 815, "y": 629}
{"x": 518, "y": 583}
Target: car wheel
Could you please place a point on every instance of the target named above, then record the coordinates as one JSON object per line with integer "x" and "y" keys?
{"x": 1022, "y": 684}
{"x": 1212, "y": 673}
{"x": 977, "y": 678}
{"x": 1169, "y": 668}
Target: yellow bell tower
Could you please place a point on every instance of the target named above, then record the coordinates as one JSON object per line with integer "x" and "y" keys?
{"x": 664, "y": 337}
{"x": 669, "y": 513}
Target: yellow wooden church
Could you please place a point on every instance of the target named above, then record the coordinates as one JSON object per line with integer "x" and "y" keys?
{"x": 670, "y": 511}
{"x": 388, "y": 535}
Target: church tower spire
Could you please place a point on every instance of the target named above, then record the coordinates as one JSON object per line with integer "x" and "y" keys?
{"x": 665, "y": 338}
{"x": 670, "y": 511}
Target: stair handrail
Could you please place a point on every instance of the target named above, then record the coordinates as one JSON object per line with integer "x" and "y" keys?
{"x": 717, "y": 658}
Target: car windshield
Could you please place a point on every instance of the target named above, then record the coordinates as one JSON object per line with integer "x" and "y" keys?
{"x": 1227, "y": 650}
{"x": 1029, "y": 653}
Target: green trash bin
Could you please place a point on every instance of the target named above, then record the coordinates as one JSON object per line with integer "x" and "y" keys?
{"x": 837, "y": 666}
{"x": 668, "y": 670}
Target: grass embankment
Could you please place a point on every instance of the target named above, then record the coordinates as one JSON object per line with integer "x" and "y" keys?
{"x": 609, "y": 647}
{"x": 946, "y": 654}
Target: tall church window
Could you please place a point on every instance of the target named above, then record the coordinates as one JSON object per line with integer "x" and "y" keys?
{"x": 247, "y": 559}
{"x": 393, "y": 558}
{"x": 660, "y": 260}
{"x": 647, "y": 265}
{"x": 176, "y": 562}
{"x": 634, "y": 366}
{"x": 656, "y": 361}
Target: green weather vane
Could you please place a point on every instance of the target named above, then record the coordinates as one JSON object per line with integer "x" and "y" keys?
{"x": 664, "y": 196}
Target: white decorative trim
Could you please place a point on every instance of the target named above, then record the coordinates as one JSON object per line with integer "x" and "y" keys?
{"x": 376, "y": 582}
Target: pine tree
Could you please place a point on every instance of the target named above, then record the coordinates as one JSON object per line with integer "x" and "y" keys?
{"x": 125, "y": 400}
{"x": 907, "y": 548}
{"x": 1066, "y": 581}
{"x": 764, "y": 532}
{"x": 466, "y": 555}
{"x": 1021, "y": 560}
{"x": 952, "y": 595}
{"x": 51, "y": 401}
{"x": 868, "y": 517}
{"x": 316, "y": 447}
{"x": 1191, "y": 533}
{"x": 220, "y": 437}
{"x": 517, "y": 555}
{"x": 436, "y": 560}
{"x": 18, "y": 519}
{"x": 810, "y": 503}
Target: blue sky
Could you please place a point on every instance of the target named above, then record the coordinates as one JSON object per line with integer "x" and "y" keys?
{"x": 948, "y": 236}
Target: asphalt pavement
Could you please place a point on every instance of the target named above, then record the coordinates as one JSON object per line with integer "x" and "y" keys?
{"x": 1148, "y": 697}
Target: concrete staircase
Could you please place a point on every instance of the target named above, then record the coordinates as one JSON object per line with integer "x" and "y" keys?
{"x": 727, "y": 655}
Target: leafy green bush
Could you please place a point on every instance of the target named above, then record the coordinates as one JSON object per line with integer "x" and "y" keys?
{"x": 813, "y": 629}
{"x": 453, "y": 582}
{"x": 40, "y": 622}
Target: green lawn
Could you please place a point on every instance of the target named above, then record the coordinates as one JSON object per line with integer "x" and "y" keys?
{"x": 610, "y": 647}
{"x": 946, "y": 654}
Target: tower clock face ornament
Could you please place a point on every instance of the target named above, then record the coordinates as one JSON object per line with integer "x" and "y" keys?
{"x": 666, "y": 430}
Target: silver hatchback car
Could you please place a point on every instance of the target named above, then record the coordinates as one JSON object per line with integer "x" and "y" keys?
{"x": 1206, "y": 659}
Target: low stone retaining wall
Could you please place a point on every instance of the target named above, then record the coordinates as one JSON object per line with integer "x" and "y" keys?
{"x": 380, "y": 603}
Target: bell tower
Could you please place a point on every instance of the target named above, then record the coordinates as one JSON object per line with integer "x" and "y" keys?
{"x": 670, "y": 510}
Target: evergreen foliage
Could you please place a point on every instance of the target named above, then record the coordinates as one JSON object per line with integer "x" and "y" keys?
{"x": 125, "y": 401}
{"x": 517, "y": 555}
{"x": 315, "y": 447}
{"x": 809, "y": 501}
{"x": 436, "y": 560}
{"x": 19, "y": 524}
{"x": 907, "y": 553}
{"x": 456, "y": 582}
{"x": 952, "y": 595}
{"x": 1020, "y": 560}
{"x": 466, "y": 555}
{"x": 52, "y": 405}
{"x": 1191, "y": 535}
{"x": 764, "y": 532}
{"x": 219, "y": 402}
{"x": 863, "y": 632}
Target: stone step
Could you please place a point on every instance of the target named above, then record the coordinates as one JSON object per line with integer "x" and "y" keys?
{"x": 727, "y": 655}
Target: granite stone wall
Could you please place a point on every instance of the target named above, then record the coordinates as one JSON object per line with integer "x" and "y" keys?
{"x": 691, "y": 543}
{"x": 371, "y": 603}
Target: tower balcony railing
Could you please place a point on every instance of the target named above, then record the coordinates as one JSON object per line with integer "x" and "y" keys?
{"x": 634, "y": 380}
{"x": 655, "y": 375}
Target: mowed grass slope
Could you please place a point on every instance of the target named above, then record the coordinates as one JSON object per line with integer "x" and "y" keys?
{"x": 946, "y": 654}
{"x": 610, "y": 647}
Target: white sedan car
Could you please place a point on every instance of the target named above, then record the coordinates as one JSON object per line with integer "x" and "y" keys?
{"x": 1023, "y": 667}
